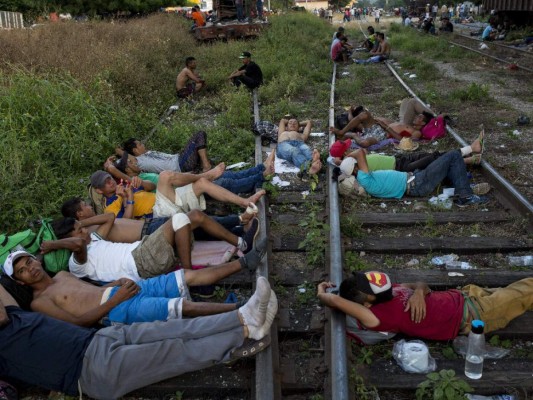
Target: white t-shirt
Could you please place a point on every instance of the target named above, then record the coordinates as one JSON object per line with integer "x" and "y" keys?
{"x": 156, "y": 161}
{"x": 106, "y": 261}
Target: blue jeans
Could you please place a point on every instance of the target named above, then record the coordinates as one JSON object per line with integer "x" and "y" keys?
{"x": 230, "y": 222}
{"x": 295, "y": 151}
{"x": 259, "y": 5}
{"x": 240, "y": 11}
{"x": 450, "y": 165}
{"x": 242, "y": 181}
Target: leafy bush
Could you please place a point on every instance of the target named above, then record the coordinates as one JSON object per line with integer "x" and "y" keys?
{"x": 443, "y": 385}
{"x": 472, "y": 92}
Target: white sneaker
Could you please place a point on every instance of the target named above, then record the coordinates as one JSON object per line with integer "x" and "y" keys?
{"x": 255, "y": 332}
{"x": 254, "y": 312}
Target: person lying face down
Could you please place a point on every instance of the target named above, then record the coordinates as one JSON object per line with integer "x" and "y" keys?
{"x": 414, "y": 310}
{"x": 63, "y": 357}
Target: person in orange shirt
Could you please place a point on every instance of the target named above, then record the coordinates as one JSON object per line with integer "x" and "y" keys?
{"x": 197, "y": 17}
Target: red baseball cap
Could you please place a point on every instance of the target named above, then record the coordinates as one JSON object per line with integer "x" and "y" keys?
{"x": 339, "y": 147}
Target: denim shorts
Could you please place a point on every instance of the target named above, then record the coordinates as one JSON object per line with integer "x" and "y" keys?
{"x": 152, "y": 224}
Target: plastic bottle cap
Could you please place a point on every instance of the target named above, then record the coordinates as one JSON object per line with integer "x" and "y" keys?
{"x": 477, "y": 326}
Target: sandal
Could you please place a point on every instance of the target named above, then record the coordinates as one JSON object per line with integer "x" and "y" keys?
{"x": 475, "y": 159}
{"x": 249, "y": 348}
{"x": 481, "y": 139}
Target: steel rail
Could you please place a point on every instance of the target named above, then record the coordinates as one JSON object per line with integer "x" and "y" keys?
{"x": 265, "y": 387}
{"x": 488, "y": 55}
{"x": 494, "y": 43}
{"x": 514, "y": 198}
{"x": 339, "y": 359}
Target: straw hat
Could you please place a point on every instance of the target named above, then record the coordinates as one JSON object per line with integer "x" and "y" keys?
{"x": 406, "y": 144}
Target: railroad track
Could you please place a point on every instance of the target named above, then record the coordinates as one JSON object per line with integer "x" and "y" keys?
{"x": 308, "y": 356}
{"x": 496, "y": 51}
{"x": 401, "y": 237}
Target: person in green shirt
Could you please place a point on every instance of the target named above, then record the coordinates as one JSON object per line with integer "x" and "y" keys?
{"x": 404, "y": 162}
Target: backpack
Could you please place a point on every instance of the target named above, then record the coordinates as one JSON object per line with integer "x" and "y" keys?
{"x": 26, "y": 239}
{"x": 267, "y": 130}
{"x": 434, "y": 129}
{"x": 342, "y": 120}
{"x": 56, "y": 260}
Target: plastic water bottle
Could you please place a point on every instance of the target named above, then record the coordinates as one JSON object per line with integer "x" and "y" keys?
{"x": 476, "y": 350}
{"x": 520, "y": 261}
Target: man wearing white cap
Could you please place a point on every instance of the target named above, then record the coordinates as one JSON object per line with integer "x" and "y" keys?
{"x": 414, "y": 310}
{"x": 122, "y": 301}
{"x": 396, "y": 184}
{"x": 113, "y": 361}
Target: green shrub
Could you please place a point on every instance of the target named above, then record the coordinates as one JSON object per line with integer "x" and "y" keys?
{"x": 472, "y": 92}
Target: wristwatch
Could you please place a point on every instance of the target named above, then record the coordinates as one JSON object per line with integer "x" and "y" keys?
{"x": 130, "y": 202}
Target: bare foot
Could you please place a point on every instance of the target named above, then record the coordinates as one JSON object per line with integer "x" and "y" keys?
{"x": 206, "y": 167}
{"x": 315, "y": 167}
{"x": 476, "y": 146}
{"x": 254, "y": 199}
{"x": 216, "y": 172}
{"x": 248, "y": 222}
{"x": 269, "y": 164}
{"x": 246, "y": 218}
{"x": 316, "y": 155}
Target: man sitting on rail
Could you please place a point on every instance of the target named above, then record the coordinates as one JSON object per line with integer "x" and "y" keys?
{"x": 413, "y": 309}
{"x": 113, "y": 361}
{"x": 396, "y": 184}
{"x": 382, "y": 53}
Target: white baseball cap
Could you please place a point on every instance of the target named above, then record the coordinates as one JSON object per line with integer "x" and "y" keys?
{"x": 12, "y": 258}
{"x": 347, "y": 165}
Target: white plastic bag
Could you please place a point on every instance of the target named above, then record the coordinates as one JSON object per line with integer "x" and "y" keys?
{"x": 413, "y": 356}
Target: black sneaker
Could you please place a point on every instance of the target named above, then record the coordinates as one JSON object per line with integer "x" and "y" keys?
{"x": 250, "y": 235}
{"x": 203, "y": 292}
{"x": 252, "y": 259}
{"x": 471, "y": 200}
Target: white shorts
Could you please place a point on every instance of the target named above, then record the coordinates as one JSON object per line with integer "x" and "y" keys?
{"x": 186, "y": 201}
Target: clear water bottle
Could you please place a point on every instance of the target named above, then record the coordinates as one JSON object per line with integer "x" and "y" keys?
{"x": 476, "y": 350}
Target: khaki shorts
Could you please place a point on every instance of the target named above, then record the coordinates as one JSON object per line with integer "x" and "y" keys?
{"x": 154, "y": 256}
{"x": 186, "y": 201}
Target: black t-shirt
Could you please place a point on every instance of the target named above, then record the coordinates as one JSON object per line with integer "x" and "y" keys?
{"x": 43, "y": 351}
{"x": 253, "y": 71}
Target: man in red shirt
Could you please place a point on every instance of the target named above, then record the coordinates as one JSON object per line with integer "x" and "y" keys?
{"x": 413, "y": 309}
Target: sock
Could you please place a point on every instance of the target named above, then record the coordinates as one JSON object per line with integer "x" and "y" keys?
{"x": 466, "y": 150}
